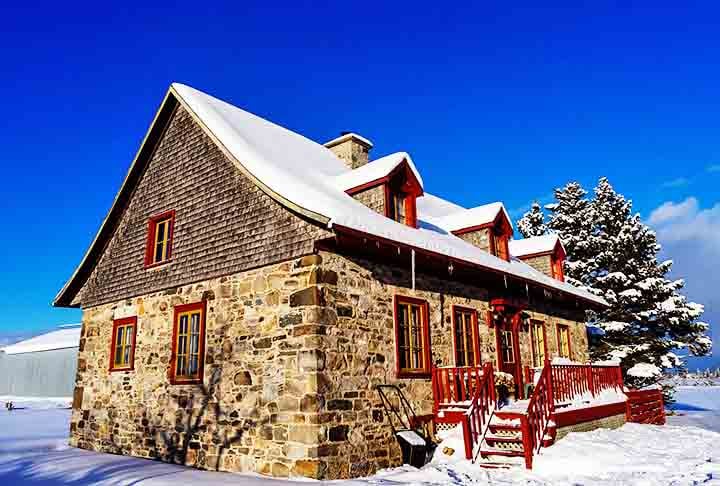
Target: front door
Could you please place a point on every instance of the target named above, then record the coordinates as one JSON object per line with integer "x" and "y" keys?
{"x": 509, "y": 353}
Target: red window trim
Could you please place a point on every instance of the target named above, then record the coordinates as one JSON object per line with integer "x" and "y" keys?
{"x": 476, "y": 332}
{"x": 557, "y": 337}
{"x": 150, "y": 242}
{"x": 179, "y": 309}
{"x": 545, "y": 344}
{"x": 556, "y": 266}
{"x": 424, "y": 373}
{"x": 410, "y": 207}
{"x": 125, "y": 321}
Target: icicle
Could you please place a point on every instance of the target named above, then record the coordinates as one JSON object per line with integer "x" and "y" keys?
{"x": 527, "y": 291}
{"x": 412, "y": 267}
{"x": 505, "y": 277}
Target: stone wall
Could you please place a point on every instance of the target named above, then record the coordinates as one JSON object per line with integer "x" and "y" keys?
{"x": 293, "y": 353}
{"x": 352, "y": 150}
{"x": 360, "y": 353}
{"x": 611, "y": 422}
{"x": 258, "y": 407}
{"x": 479, "y": 238}
{"x": 374, "y": 198}
{"x": 540, "y": 263}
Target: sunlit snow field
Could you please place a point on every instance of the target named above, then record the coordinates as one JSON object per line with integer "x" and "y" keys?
{"x": 34, "y": 451}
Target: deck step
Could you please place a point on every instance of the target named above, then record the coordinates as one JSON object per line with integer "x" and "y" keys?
{"x": 502, "y": 452}
{"x": 508, "y": 427}
{"x": 496, "y": 465}
{"x": 515, "y": 439}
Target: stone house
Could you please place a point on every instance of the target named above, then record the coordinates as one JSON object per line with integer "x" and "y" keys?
{"x": 250, "y": 287}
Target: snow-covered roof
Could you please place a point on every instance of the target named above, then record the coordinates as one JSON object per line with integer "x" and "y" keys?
{"x": 374, "y": 170}
{"x": 469, "y": 218}
{"x": 430, "y": 206}
{"x": 270, "y": 156}
{"x": 534, "y": 245}
{"x": 65, "y": 337}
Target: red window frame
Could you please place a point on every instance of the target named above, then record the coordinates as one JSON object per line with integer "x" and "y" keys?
{"x": 566, "y": 328}
{"x": 178, "y": 310}
{"x": 501, "y": 250}
{"x": 423, "y": 372}
{"x": 556, "y": 264}
{"x": 456, "y": 309}
{"x": 124, "y": 322}
{"x": 151, "y": 234}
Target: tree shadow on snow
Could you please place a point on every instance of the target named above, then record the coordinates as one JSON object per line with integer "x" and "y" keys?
{"x": 72, "y": 470}
{"x": 686, "y": 407}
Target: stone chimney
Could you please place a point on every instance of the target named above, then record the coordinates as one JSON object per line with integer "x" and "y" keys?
{"x": 351, "y": 148}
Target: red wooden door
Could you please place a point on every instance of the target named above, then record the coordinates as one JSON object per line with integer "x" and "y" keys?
{"x": 509, "y": 353}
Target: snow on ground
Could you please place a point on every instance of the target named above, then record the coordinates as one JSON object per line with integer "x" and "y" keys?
{"x": 34, "y": 452}
{"x": 698, "y": 406}
{"x": 35, "y": 403}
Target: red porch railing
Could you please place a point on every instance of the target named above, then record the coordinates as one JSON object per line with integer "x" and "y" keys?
{"x": 455, "y": 386}
{"x": 570, "y": 381}
{"x": 540, "y": 409}
{"x": 465, "y": 396}
{"x": 645, "y": 407}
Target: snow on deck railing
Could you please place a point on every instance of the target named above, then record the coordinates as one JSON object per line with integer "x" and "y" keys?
{"x": 573, "y": 381}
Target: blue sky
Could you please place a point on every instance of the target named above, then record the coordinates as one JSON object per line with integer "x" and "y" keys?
{"x": 493, "y": 103}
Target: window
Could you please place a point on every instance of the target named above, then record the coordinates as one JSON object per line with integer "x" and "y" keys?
{"x": 188, "y": 351}
{"x": 537, "y": 336}
{"x": 122, "y": 349}
{"x": 500, "y": 246}
{"x": 397, "y": 207}
{"x": 508, "y": 347}
{"x": 412, "y": 339}
{"x": 563, "y": 332}
{"x": 159, "y": 242}
{"x": 467, "y": 349}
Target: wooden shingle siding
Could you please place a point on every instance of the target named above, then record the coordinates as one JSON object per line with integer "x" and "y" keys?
{"x": 224, "y": 223}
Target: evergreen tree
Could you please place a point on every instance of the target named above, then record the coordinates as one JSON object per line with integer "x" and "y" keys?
{"x": 569, "y": 218}
{"x": 648, "y": 319}
{"x": 533, "y": 222}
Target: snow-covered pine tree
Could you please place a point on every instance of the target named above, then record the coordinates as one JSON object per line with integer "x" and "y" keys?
{"x": 570, "y": 219}
{"x": 648, "y": 319}
{"x": 533, "y": 222}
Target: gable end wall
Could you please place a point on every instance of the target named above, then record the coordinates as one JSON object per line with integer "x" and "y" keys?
{"x": 224, "y": 223}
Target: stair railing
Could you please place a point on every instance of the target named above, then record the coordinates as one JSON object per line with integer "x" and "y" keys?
{"x": 539, "y": 411}
{"x": 480, "y": 413}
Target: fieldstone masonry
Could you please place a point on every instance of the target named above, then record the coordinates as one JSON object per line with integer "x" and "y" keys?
{"x": 293, "y": 352}
{"x": 541, "y": 263}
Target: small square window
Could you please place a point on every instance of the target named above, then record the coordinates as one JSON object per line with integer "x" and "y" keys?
{"x": 159, "y": 241}
{"x": 122, "y": 349}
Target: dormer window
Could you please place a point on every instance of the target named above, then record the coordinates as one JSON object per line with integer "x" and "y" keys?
{"x": 500, "y": 245}
{"x": 393, "y": 194}
{"x": 557, "y": 267}
{"x": 397, "y": 210}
